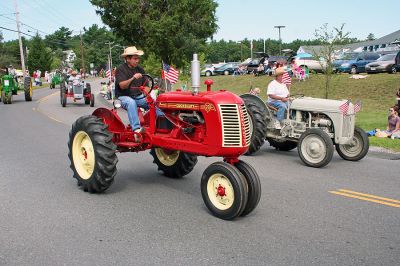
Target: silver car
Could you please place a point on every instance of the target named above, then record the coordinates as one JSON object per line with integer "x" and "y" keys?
{"x": 385, "y": 63}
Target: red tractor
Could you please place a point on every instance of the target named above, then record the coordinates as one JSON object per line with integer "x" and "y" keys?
{"x": 211, "y": 123}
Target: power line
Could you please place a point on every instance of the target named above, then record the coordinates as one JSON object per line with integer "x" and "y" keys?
{"x": 16, "y": 31}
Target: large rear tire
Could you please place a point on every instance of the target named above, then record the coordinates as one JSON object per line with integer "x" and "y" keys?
{"x": 92, "y": 154}
{"x": 254, "y": 186}
{"x": 91, "y": 100}
{"x": 28, "y": 89}
{"x": 315, "y": 148}
{"x": 224, "y": 190}
{"x": 259, "y": 122}
{"x": 357, "y": 148}
{"x": 174, "y": 164}
{"x": 286, "y": 145}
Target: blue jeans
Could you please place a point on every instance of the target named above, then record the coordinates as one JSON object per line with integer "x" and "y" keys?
{"x": 281, "y": 106}
{"x": 131, "y": 105}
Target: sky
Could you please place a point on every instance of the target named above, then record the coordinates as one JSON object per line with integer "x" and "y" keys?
{"x": 237, "y": 19}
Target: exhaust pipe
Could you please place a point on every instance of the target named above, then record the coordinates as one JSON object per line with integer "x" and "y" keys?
{"x": 195, "y": 70}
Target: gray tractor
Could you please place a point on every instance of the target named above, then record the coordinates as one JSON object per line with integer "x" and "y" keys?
{"x": 312, "y": 125}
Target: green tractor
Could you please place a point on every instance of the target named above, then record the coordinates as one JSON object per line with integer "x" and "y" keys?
{"x": 55, "y": 80}
{"x": 10, "y": 87}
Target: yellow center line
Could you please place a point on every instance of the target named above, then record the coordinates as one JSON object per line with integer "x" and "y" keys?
{"x": 371, "y": 198}
{"x": 369, "y": 195}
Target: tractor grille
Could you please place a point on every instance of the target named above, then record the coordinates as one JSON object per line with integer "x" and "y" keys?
{"x": 347, "y": 129}
{"x": 248, "y": 128}
{"x": 231, "y": 125}
{"x": 78, "y": 89}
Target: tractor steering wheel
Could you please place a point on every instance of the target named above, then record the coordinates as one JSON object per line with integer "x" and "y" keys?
{"x": 147, "y": 79}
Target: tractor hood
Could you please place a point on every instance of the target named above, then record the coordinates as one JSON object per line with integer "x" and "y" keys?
{"x": 319, "y": 105}
{"x": 215, "y": 97}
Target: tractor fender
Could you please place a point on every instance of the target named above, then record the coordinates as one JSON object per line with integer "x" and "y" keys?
{"x": 247, "y": 97}
{"x": 110, "y": 118}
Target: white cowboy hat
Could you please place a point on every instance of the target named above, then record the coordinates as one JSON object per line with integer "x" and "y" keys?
{"x": 131, "y": 50}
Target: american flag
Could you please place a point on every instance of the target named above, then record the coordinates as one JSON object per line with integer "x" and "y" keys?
{"x": 357, "y": 106}
{"x": 170, "y": 73}
{"x": 286, "y": 79}
{"x": 108, "y": 73}
{"x": 344, "y": 107}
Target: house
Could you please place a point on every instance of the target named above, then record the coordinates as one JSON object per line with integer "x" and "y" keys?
{"x": 383, "y": 45}
{"x": 69, "y": 56}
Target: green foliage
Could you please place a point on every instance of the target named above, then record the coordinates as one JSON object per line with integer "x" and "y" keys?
{"x": 152, "y": 65}
{"x": 371, "y": 37}
{"x": 172, "y": 29}
{"x": 331, "y": 40}
{"x": 60, "y": 39}
{"x": 39, "y": 57}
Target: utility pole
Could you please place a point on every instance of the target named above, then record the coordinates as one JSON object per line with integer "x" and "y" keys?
{"x": 110, "y": 58}
{"x": 280, "y": 40}
{"x": 82, "y": 57}
{"x": 21, "y": 50}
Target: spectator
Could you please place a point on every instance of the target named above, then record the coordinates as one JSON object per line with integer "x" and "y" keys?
{"x": 255, "y": 91}
{"x": 393, "y": 122}
{"x": 398, "y": 98}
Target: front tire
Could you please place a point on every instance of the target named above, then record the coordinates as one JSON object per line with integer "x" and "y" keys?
{"x": 315, "y": 148}
{"x": 92, "y": 154}
{"x": 254, "y": 186}
{"x": 353, "y": 70}
{"x": 224, "y": 190}
{"x": 174, "y": 164}
{"x": 28, "y": 89}
{"x": 208, "y": 73}
{"x": 226, "y": 72}
{"x": 358, "y": 147}
{"x": 393, "y": 70}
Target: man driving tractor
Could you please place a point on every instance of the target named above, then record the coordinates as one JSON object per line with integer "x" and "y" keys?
{"x": 128, "y": 79}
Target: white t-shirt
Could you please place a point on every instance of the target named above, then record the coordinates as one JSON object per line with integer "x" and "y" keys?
{"x": 278, "y": 89}
{"x": 75, "y": 80}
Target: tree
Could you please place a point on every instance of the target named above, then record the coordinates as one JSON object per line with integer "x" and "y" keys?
{"x": 371, "y": 37}
{"x": 39, "y": 56}
{"x": 59, "y": 39}
{"x": 174, "y": 30}
{"x": 331, "y": 40}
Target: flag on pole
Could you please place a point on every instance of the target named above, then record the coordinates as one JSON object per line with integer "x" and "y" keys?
{"x": 357, "y": 106}
{"x": 344, "y": 107}
{"x": 170, "y": 73}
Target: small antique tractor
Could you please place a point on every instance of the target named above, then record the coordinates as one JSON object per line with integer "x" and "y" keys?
{"x": 210, "y": 123}
{"x": 10, "y": 87}
{"x": 78, "y": 91}
{"x": 312, "y": 125}
{"x": 55, "y": 80}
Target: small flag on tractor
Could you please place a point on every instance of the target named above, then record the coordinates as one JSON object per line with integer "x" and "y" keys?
{"x": 170, "y": 73}
{"x": 357, "y": 107}
{"x": 344, "y": 108}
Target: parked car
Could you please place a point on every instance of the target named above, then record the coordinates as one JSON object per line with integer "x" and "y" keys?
{"x": 354, "y": 63}
{"x": 311, "y": 64}
{"x": 397, "y": 62}
{"x": 385, "y": 63}
{"x": 253, "y": 65}
{"x": 209, "y": 69}
{"x": 226, "y": 69}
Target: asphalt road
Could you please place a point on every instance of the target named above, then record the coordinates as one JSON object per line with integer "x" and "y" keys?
{"x": 147, "y": 219}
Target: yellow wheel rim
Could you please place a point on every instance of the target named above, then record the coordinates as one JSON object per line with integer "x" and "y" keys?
{"x": 167, "y": 157}
{"x": 30, "y": 89}
{"x": 220, "y": 191}
{"x": 83, "y": 155}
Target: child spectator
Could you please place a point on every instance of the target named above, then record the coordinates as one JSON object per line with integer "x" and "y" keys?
{"x": 255, "y": 91}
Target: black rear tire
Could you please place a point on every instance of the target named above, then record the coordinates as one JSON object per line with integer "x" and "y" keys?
{"x": 28, "y": 89}
{"x": 259, "y": 122}
{"x": 174, "y": 164}
{"x": 254, "y": 186}
{"x": 286, "y": 145}
{"x": 357, "y": 149}
{"x": 103, "y": 152}
{"x": 91, "y": 100}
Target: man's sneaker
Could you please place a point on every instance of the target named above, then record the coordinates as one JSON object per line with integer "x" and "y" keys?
{"x": 278, "y": 125}
{"x": 138, "y": 131}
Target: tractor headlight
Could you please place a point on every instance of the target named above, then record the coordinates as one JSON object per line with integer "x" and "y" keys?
{"x": 117, "y": 104}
